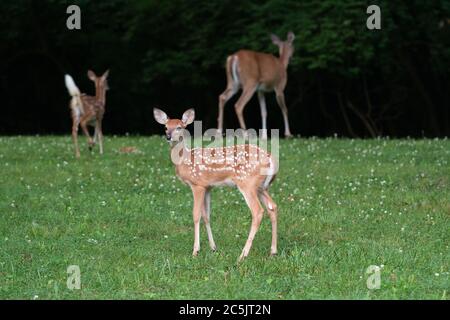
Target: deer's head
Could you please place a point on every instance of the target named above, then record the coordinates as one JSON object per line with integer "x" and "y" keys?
{"x": 174, "y": 127}
{"x": 100, "y": 82}
{"x": 286, "y": 48}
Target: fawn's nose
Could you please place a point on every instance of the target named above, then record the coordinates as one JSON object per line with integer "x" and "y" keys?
{"x": 168, "y": 137}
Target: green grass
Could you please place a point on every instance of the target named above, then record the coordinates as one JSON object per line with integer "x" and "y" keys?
{"x": 126, "y": 221}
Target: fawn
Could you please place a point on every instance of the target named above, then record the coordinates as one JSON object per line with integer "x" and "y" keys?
{"x": 88, "y": 110}
{"x": 242, "y": 166}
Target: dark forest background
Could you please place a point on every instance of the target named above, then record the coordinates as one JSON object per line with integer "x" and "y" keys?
{"x": 343, "y": 78}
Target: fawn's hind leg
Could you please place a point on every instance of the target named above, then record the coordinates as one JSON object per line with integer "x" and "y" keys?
{"x": 199, "y": 202}
{"x": 272, "y": 210}
{"x": 75, "y": 124}
{"x": 83, "y": 124}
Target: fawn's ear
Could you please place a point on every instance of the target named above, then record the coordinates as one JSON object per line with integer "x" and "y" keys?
{"x": 160, "y": 116}
{"x": 91, "y": 75}
{"x": 290, "y": 37}
{"x": 275, "y": 39}
{"x": 188, "y": 116}
{"x": 105, "y": 75}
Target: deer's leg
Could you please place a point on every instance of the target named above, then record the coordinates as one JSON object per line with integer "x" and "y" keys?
{"x": 83, "y": 124}
{"x": 199, "y": 201}
{"x": 223, "y": 98}
{"x": 75, "y": 124}
{"x": 245, "y": 97}
{"x": 272, "y": 210}
{"x": 262, "y": 105}
{"x": 282, "y": 103}
{"x": 99, "y": 134}
{"x": 95, "y": 135}
{"x": 251, "y": 197}
{"x": 206, "y": 213}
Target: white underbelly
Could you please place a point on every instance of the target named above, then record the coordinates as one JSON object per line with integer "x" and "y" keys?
{"x": 226, "y": 182}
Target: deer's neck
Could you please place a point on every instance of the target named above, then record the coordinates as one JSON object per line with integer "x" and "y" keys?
{"x": 100, "y": 94}
{"x": 179, "y": 151}
{"x": 284, "y": 59}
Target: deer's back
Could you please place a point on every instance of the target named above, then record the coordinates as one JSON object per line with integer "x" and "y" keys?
{"x": 92, "y": 105}
{"x": 234, "y": 165}
{"x": 263, "y": 68}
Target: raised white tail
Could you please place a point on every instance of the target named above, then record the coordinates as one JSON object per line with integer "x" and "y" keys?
{"x": 71, "y": 86}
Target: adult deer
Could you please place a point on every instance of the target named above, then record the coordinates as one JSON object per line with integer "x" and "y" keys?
{"x": 248, "y": 167}
{"x": 256, "y": 71}
{"x": 88, "y": 110}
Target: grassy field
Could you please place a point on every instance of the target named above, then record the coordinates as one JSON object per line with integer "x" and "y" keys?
{"x": 126, "y": 221}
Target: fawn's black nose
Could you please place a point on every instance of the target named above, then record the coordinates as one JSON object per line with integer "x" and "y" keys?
{"x": 168, "y": 137}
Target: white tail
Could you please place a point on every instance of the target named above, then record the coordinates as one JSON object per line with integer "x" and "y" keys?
{"x": 247, "y": 167}
{"x": 71, "y": 86}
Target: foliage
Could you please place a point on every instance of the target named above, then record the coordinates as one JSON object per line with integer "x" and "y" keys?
{"x": 343, "y": 78}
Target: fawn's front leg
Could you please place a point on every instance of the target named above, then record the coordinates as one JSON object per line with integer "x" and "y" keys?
{"x": 199, "y": 198}
{"x": 99, "y": 134}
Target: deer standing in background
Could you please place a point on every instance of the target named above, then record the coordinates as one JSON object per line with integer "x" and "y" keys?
{"x": 88, "y": 110}
{"x": 248, "y": 167}
{"x": 256, "y": 71}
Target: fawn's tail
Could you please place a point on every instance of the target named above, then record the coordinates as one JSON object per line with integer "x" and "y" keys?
{"x": 71, "y": 86}
{"x": 73, "y": 91}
